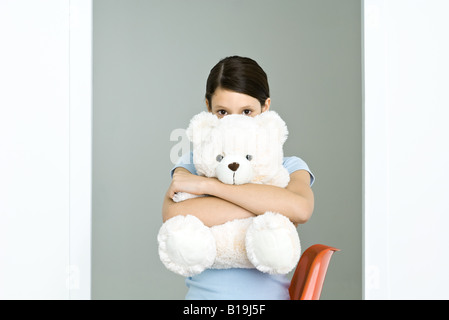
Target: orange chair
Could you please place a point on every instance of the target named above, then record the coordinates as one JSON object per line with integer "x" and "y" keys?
{"x": 310, "y": 272}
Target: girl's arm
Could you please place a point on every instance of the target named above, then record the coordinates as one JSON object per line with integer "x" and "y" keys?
{"x": 296, "y": 201}
{"x": 210, "y": 210}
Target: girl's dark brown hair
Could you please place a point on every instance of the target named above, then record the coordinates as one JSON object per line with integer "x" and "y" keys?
{"x": 239, "y": 74}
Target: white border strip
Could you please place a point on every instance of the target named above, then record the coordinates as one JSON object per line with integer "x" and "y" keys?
{"x": 80, "y": 69}
{"x": 376, "y": 166}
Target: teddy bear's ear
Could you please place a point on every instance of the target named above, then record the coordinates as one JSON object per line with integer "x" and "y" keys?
{"x": 201, "y": 126}
{"x": 276, "y": 127}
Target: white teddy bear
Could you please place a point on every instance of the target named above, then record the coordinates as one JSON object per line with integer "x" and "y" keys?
{"x": 236, "y": 149}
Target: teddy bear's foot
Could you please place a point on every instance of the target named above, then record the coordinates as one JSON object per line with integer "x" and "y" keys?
{"x": 272, "y": 243}
{"x": 186, "y": 245}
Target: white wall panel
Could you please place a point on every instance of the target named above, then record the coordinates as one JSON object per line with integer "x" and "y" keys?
{"x": 40, "y": 151}
{"x": 406, "y": 153}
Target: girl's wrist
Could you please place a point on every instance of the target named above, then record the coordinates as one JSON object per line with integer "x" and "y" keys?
{"x": 212, "y": 187}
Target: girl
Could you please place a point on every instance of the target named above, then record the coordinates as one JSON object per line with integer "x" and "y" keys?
{"x": 238, "y": 85}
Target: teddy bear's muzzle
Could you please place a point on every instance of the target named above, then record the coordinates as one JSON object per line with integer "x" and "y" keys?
{"x": 234, "y": 169}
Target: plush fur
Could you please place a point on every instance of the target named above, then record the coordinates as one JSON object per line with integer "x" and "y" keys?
{"x": 236, "y": 149}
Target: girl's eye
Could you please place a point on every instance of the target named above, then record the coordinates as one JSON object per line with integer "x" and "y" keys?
{"x": 222, "y": 112}
{"x": 249, "y": 157}
{"x": 247, "y": 112}
{"x": 219, "y": 158}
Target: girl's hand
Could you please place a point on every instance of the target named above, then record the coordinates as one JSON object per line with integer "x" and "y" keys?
{"x": 184, "y": 181}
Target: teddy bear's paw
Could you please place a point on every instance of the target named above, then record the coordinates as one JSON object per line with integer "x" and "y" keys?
{"x": 272, "y": 243}
{"x": 181, "y": 196}
{"x": 186, "y": 245}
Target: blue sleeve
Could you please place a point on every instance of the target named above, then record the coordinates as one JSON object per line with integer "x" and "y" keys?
{"x": 293, "y": 164}
{"x": 186, "y": 161}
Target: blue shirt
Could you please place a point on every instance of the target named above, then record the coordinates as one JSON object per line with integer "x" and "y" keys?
{"x": 239, "y": 284}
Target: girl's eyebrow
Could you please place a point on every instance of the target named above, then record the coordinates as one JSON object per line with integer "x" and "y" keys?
{"x": 219, "y": 107}
{"x": 243, "y": 107}
{"x": 248, "y": 107}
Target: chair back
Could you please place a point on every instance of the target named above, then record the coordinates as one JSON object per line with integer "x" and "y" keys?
{"x": 308, "y": 279}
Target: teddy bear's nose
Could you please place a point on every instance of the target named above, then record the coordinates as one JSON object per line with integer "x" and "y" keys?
{"x": 233, "y": 166}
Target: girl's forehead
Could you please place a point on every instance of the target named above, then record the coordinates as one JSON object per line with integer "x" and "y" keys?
{"x": 231, "y": 99}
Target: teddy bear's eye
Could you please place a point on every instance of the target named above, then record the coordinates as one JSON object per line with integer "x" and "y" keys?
{"x": 219, "y": 158}
{"x": 249, "y": 157}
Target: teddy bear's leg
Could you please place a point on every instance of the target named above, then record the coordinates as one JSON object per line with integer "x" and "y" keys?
{"x": 272, "y": 243}
{"x": 186, "y": 245}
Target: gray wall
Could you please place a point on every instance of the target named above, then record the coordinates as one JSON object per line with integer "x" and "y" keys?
{"x": 151, "y": 61}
